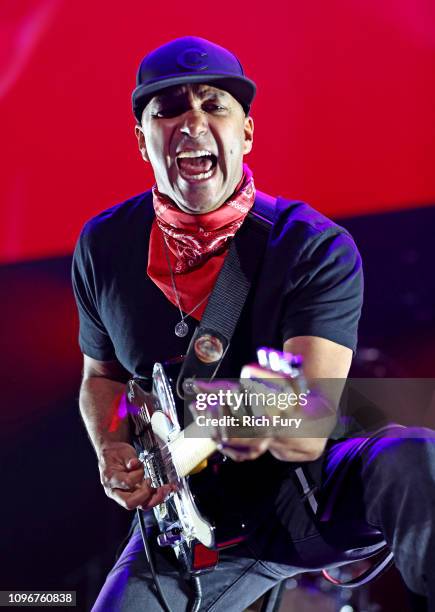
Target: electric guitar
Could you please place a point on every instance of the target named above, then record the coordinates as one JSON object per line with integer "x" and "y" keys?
{"x": 172, "y": 455}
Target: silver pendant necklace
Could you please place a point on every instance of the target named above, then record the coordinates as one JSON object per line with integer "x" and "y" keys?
{"x": 181, "y": 329}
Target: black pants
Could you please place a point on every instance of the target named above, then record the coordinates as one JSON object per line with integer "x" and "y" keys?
{"x": 367, "y": 490}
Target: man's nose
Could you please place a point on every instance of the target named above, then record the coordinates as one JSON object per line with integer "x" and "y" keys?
{"x": 194, "y": 123}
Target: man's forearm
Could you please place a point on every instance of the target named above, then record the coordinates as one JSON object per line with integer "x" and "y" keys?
{"x": 99, "y": 407}
{"x": 121, "y": 472}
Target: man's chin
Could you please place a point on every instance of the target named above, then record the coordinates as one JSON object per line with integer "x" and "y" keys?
{"x": 199, "y": 200}
{"x": 198, "y": 208}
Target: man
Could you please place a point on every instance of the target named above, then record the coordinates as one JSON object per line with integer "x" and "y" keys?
{"x": 151, "y": 263}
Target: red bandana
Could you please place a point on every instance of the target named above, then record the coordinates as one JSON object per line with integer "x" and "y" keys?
{"x": 197, "y": 244}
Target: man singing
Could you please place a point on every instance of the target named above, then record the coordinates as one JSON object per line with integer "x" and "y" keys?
{"x": 143, "y": 273}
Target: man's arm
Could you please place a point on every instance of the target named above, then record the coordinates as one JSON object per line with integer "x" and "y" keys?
{"x": 322, "y": 358}
{"x": 121, "y": 472}
{"x": 322, "y": 300}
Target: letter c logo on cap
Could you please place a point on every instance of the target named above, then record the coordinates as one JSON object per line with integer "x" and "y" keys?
{"x": 193, "y": 59}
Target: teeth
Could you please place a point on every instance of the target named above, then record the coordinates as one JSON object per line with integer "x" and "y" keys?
{"x": 194, "y": 154}
{"x": 199, "y": 177}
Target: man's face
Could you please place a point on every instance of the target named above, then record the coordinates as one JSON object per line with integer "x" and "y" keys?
{"x": 195, "y": 137}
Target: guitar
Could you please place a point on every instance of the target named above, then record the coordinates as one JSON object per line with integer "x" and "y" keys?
{"x": 179, "y": 457}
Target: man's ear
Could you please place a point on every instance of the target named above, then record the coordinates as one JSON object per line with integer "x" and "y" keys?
{"x": 249, "y": 135}
{"x": 141, "y": 142}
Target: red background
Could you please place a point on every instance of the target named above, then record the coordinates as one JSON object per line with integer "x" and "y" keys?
{"x": 344, "y": 112}
{"x": 344, "y": 119}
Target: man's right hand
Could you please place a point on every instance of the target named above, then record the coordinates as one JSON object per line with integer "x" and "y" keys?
{"x": 122, "y": 476}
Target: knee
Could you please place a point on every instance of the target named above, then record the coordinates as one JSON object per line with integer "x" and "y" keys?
{"x": 405, "y": 453}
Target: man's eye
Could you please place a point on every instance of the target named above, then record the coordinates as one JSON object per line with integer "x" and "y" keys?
{"x": 164, "y": 113}
{"x": 168, "y": 112}
{"x": 212, "y": 107}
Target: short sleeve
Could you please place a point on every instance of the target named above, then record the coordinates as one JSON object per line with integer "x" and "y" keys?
{"x": 94, "y": 340}
{"x": 324, "y": 291}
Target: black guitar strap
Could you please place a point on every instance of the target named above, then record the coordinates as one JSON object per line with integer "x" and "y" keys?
{"x": 212, "y": 337}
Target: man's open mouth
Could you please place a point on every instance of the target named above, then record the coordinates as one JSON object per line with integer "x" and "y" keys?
{"x": 196, "y": 165}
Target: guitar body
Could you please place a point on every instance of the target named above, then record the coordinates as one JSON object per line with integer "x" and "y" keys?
{"x": 211, "y": 508}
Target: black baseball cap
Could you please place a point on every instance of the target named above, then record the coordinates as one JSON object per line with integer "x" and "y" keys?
{"x": 191, "y": 60}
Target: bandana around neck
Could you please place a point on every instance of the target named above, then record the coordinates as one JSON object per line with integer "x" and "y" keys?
{"x": 197, "y": 244}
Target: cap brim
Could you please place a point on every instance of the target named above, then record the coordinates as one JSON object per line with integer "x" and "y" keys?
{"x": 241, "y": 88}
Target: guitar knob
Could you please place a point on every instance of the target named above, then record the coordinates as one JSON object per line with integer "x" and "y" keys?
{"x": 171, "y": 537}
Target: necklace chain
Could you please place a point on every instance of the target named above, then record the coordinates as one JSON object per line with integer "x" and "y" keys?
{"x": 181, "y": 328}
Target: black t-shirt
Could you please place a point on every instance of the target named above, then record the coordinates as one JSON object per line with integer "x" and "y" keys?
{"x": 308, "y": 284}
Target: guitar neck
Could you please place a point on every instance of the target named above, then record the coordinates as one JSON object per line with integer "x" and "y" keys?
{"x": 188, "y": 450}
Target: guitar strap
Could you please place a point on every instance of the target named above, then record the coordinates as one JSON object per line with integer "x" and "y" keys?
{"x": 212, "y": 337}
